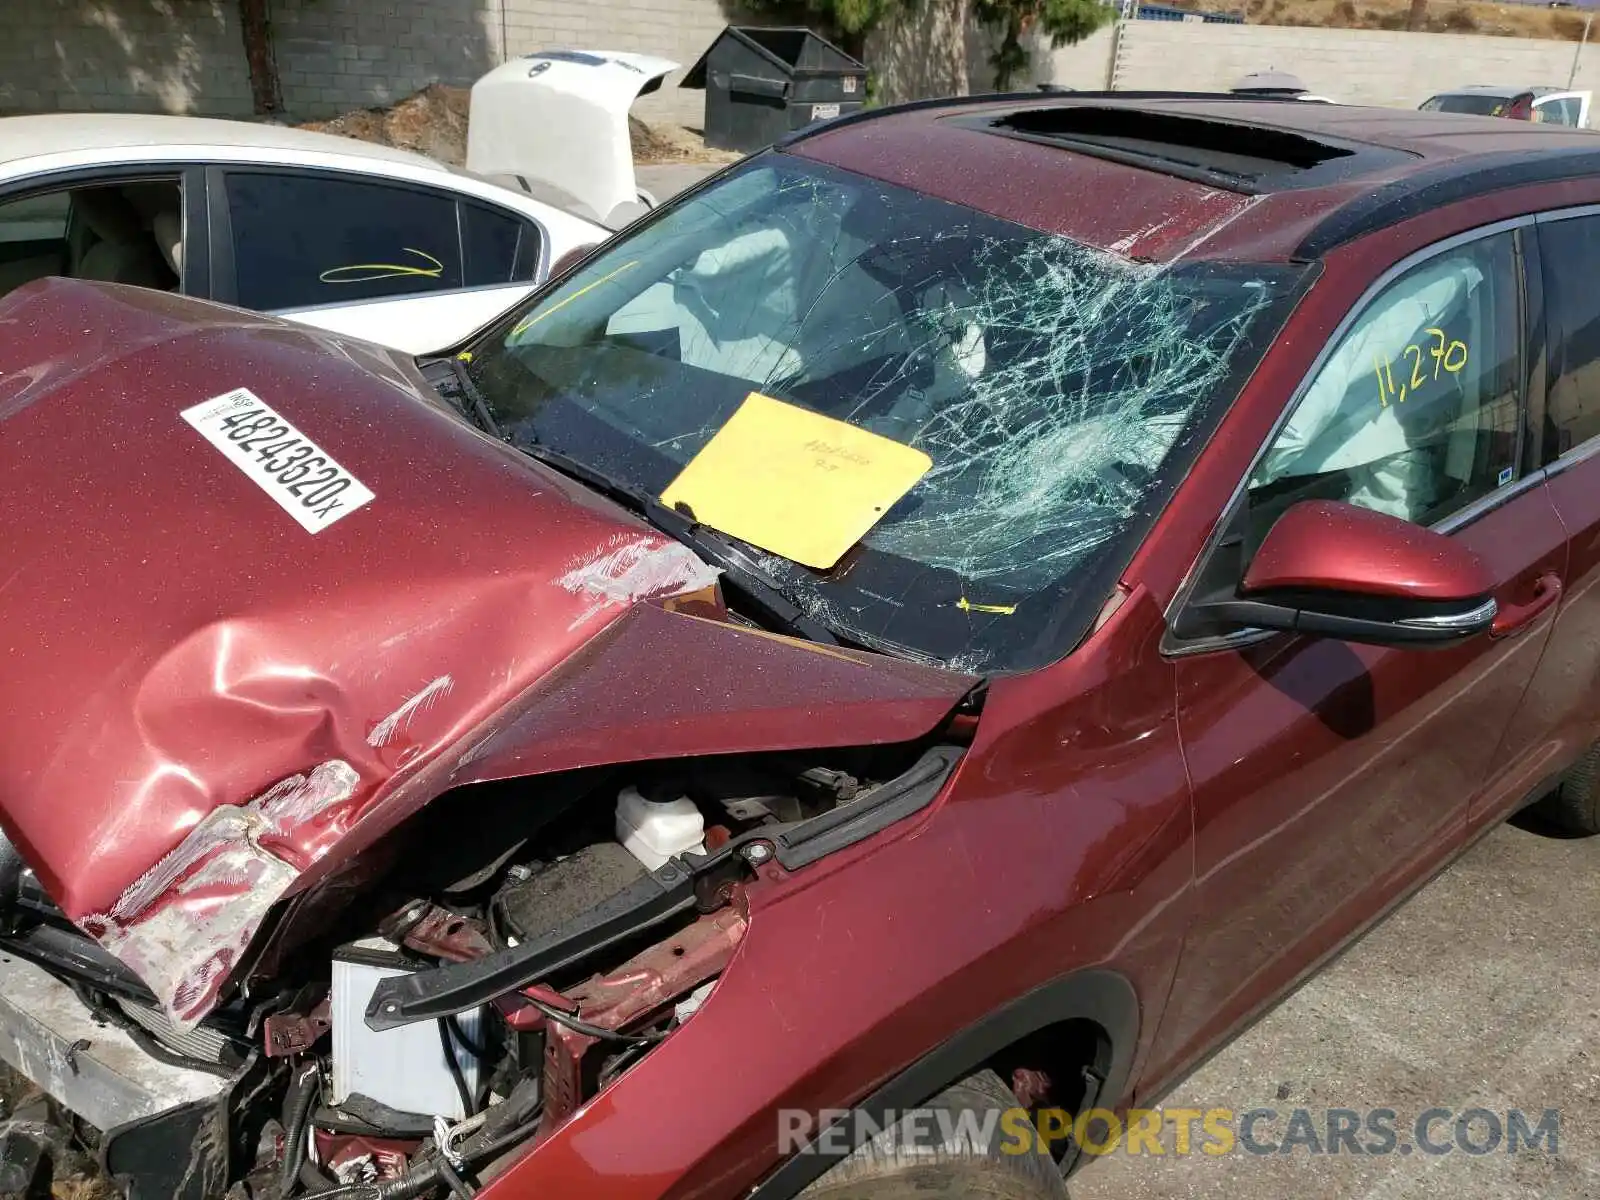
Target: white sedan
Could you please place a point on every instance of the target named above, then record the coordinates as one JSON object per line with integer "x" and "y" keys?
{"x": 359, "y": 239}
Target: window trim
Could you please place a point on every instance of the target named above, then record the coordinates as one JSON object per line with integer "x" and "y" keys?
{"x": 524, "y": 224}
{"x": 1172, "y": 646}
{"x": 224, "y": 276}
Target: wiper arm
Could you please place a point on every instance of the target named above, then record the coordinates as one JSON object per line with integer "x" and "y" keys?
{"x": 480, "y": 406}
{"x": 758, "y": 589}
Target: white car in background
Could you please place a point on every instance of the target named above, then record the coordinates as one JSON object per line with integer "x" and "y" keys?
{"x": 1546, "y": 105}
{"x": 360, "y": 239}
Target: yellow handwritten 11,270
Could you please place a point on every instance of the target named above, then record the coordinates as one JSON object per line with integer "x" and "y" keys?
{"x": 1420, "y": 362}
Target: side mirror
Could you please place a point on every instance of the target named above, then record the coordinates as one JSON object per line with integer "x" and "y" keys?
{"x": 1335, "y": 570}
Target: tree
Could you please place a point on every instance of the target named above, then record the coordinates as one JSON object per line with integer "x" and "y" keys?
{"x": 1417, "y": 15}
{"x": 255, "y": 21}
{"x": 843, "y": 22}
{"x": 1062, "y": 21}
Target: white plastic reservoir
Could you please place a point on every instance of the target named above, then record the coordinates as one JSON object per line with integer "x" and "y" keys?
{"x": 654, "y": 830}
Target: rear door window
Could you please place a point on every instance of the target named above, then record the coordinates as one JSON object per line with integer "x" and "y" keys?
{"x": 1570, "y": 252}
{"x": 497, "y": 247}
{"x": 1567, "y": 110}
{"x": 301, "y": 240}
{"x": 1471, "y": 103}
{"x": 110, "y": 230}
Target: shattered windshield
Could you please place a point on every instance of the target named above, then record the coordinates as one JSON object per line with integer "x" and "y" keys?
{"x": 1058, "y": 390}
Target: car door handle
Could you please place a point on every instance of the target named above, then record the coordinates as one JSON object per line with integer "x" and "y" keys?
{"x": 1514, "y": 618}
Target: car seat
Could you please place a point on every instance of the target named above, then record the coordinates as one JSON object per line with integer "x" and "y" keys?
{"x": 122, "y": 250}
{"x": 167, "y": 229}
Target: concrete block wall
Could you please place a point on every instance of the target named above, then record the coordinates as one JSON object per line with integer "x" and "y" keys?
{"x": 336, "y": 55}
{"x": 122, "y": 55}
{"x": 187, "y": 56}
{"x": 1355, "y": 66}
{"x": 1085, "y": 66}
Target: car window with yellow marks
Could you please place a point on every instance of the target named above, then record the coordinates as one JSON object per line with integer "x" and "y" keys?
{"x": 1414, "y": 411}
{"x": 304, "y": 239}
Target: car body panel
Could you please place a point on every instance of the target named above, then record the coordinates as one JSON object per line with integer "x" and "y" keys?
{"x": 294, "y": 692}
{"x": 1012, "y": 826}
{"x": 1570, "y": 108}
{"x": 1207, "y": 826}
{"x": 1156, "y": 217}
{"x": 1329, "y": 776}
{"x": 417, "y": 325}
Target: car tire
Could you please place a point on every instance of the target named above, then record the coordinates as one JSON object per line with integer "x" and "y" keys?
{"x": 953, "y": 1169}
{"x": 1574, "y": 807}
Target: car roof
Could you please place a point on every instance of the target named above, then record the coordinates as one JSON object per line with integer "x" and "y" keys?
{"x": 1163, "y": 176}
{"x": 53, "y": 133}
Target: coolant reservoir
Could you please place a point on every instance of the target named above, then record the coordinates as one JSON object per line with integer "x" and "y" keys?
{"x": 654, "y": 830}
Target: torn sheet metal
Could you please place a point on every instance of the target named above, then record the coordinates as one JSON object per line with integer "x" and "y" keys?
{"x": 230, "y": 699}
{"x": 626, "y": 569}
{"x": 183, "y": 924}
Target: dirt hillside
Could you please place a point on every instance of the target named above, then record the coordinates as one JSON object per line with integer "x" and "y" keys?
{"x": 1440, "y": 16}
{"x": 434, "y": 122}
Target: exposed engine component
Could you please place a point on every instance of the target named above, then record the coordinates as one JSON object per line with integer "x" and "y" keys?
{"x": 655, "y": 828}
{"x": 413, "y": 1069}
{"x": 542, "y": 897}
{"x": 544, "y": 948}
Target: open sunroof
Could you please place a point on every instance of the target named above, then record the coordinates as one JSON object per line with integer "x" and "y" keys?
{"x": 1235, "y": 155}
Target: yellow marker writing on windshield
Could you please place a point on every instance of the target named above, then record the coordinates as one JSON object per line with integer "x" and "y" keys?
{"x": 371, "y": 272}
{"x": 530, "y": 322}
{"x": 1004, "y": 610}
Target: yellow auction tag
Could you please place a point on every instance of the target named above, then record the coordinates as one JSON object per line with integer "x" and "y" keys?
{"x": 795, "y": 482}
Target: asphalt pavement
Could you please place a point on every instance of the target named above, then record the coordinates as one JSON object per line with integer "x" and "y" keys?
{"x": 1482, "y": 992}
{"x": 665, "y": 180}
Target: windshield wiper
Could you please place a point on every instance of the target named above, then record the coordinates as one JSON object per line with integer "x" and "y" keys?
{"x": 480, "y": 406}
{"x": 759, "y": 590}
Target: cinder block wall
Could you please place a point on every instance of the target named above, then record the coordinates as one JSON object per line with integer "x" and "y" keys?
{"x": 127, "y": 55}
{"x": 187, "y": 56}
{"x": 335, "y": 55}
{"x": 1356, "y": 66}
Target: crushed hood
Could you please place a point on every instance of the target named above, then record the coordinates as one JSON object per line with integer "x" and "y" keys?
{"x": 211, "y": 700}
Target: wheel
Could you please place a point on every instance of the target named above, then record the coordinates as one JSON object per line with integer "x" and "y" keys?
{"x": 1575, "y": 806}
{"x": 948, "y": 1168}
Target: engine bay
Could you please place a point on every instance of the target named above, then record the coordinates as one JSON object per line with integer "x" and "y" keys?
{"x": 471, "y": 981}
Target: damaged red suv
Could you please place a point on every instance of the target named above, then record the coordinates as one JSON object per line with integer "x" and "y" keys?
{"x": 962, "y": 610}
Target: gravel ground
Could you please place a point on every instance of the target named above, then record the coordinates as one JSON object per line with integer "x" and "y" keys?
{"x": 1483, "y": 991}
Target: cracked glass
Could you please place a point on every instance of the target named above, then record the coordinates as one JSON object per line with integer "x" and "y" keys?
{"x": 1059, "y": 389}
